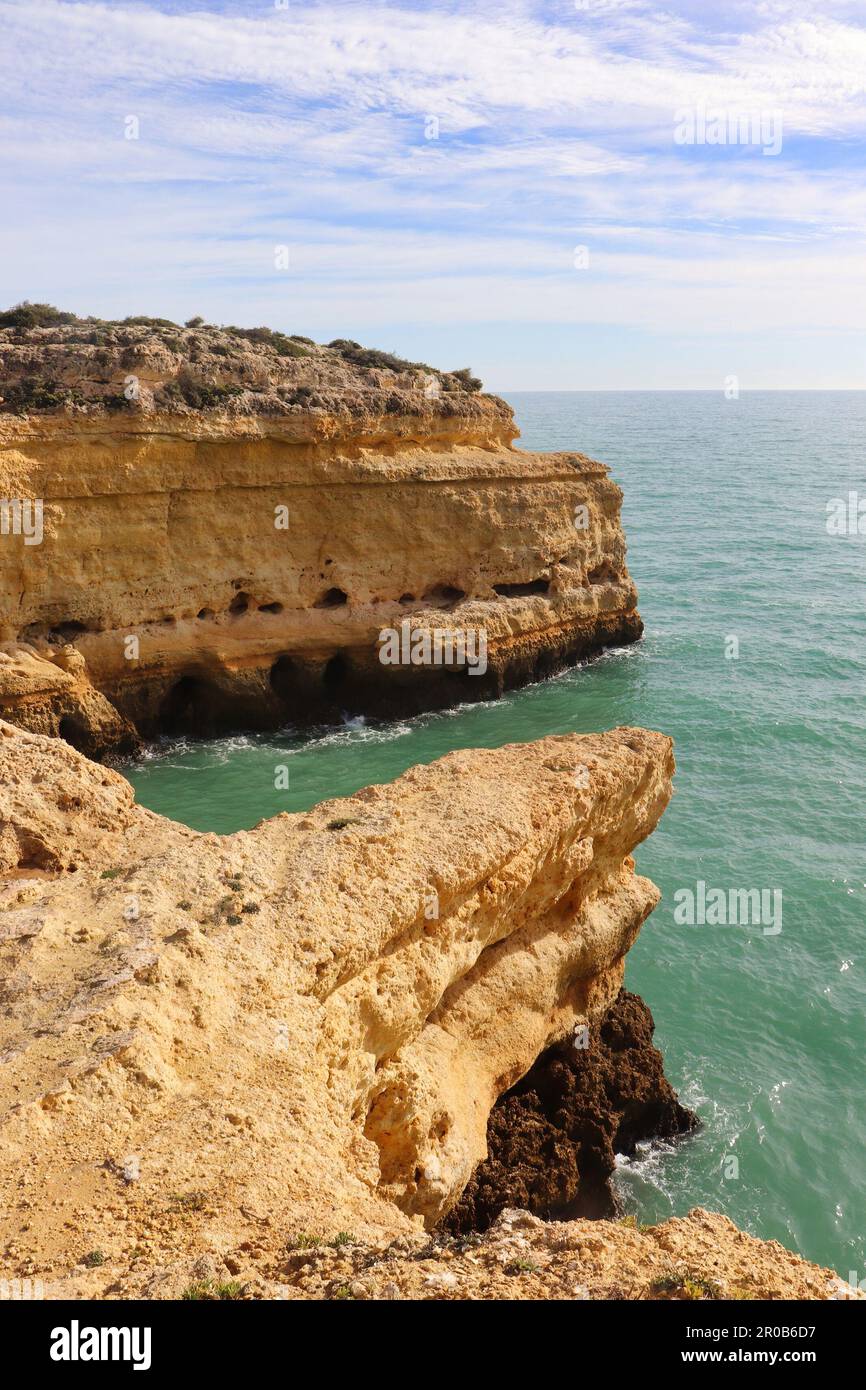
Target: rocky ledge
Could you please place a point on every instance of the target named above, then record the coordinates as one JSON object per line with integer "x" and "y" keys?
{"x": 211, "y": 528}
{"x": 221, "y": 1053}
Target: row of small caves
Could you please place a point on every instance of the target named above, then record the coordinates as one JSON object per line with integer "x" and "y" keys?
{"x": 441, "y": 595}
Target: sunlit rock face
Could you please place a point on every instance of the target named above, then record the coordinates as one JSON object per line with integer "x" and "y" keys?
{"x": 361, "y": 981}
{"x": 311, "y": 537}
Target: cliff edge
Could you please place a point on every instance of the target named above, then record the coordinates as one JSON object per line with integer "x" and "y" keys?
{"x": 211, "y": 528}
{"x": 221, "y": 1053}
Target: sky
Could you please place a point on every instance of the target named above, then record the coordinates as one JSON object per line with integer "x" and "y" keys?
{"x": 578, "y": 194}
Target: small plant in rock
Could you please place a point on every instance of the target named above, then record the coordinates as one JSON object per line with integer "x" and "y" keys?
{"x": 250, "y": 907}
{"x": 342, "y": 1238}
{"x": 93, "y": 1259}
{"x": 670, "y": 1282}
{"x": 189, "y": 1201}
{"x": 110, "y": 873}
{"x": 207, "y": 1290}
{"x": 686, "y": 1286}
{"x": 303, "y": 1241}
{"x": 521, "y": 1267}
{"x": 699, "y": 1286}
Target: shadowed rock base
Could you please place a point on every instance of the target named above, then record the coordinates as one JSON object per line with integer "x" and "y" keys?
{"x": 552, "y": 1139}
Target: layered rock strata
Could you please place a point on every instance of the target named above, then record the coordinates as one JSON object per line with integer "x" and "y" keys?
{"x": 312, "y": 536}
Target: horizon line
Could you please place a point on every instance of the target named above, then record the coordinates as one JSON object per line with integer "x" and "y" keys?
{"x": 660, "y": 390}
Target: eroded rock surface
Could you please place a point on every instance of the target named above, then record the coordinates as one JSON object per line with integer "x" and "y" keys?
{"x": 219, "y": 1054}
{"x": 521, "y": 1257}
{"x": 552, "y": 1140}
{"x": 227, "y": 548}
{"x": 315, "y": 1015}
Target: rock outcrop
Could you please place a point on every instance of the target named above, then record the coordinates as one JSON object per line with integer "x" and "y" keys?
{"x": 270, "y": 531}
{"x": 216, "y": 1050}
{"x": 697, "y": 1257}
{"x": 552, "y": 1140}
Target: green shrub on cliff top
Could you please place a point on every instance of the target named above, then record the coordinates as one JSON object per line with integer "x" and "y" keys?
{"x": 270, "y": 337}
{"x": 468, "y": 382}
{"x": 350, "y": 351}
{"x": 143, "y": 321}
{"x": 359, "y": 356}
{"x": 27, "y": 315}
{"x": 32, "y": 394}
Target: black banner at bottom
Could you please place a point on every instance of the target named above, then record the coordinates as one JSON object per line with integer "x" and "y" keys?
{"x": 85, "y": 1339}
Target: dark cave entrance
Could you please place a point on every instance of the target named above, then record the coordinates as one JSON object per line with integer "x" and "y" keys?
{"x": 189, "y": 707}
{"x": 75, "y": 732}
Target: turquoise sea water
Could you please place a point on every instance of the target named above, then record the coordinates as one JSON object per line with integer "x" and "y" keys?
{"x": 764, "y": 1034}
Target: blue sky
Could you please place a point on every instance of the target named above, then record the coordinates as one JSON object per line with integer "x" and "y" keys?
{"x": 307, "y": 126}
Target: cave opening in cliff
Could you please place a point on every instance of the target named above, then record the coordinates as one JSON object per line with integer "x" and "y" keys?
{"x": 240, "y": 603}
{"x": 57, "y": 633}
{"x": 283, "y": 677}
{"x": 535, "y": 586}
{"x": 189, "y": 707}
{"x": 336, "y": 673}
{"x": 332, "y": 598}
{"x": 446, "y": 594}
{"x": 547, "y": 664}
{"x": 74, "y": 732}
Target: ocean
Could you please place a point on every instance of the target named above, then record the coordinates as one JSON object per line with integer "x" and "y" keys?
{"x": 754, "y": 659}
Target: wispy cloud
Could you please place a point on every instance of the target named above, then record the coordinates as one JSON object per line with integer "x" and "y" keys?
{"x": 434, "y": 165}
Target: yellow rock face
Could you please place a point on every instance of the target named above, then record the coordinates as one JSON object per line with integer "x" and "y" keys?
{"x": 315, "y": 1016}
{"x": 219, "y": 1054}
{"x": 215, "y": 572}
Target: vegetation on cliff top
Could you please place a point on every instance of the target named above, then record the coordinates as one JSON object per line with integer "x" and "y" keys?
{"x": 53, "y": 360}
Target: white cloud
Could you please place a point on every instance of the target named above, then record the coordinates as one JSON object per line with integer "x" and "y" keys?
{"x": 307, "y": 126}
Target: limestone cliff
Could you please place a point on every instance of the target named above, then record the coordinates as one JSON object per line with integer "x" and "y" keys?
{"x": 238, "y": 543}
{"x": 216, "y": 1049}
